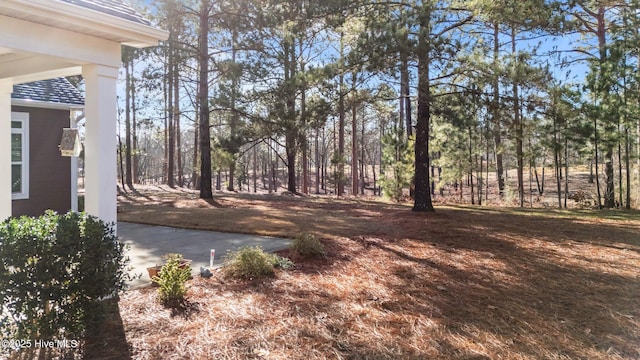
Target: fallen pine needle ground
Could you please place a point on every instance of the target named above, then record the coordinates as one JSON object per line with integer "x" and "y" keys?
{"x": 460, "y": 283}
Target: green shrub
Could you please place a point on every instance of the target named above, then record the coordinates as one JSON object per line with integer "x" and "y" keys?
{"x": 54, "y": 272}
{"x": 308, "y": 245}
{"x": 248, "y": 262}
{"x": 172, "y": 280}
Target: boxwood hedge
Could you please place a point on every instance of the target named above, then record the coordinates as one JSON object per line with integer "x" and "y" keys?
{"x": 54, "y": 272}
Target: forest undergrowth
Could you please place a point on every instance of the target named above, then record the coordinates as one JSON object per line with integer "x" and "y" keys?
{"x": 465, "y": 282}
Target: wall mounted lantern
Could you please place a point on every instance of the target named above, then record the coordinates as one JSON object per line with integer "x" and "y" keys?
{"x": 70, "y": 142}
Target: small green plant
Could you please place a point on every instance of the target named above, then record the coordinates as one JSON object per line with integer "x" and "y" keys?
{"x": 281, "y": 262}
{"x": 172, "y": 280}
{"x": 308, "y": 245}
{"x": 248, "y": 262}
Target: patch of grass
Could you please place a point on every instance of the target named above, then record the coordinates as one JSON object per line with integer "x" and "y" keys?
{"x": 554, "y": 213}
{"x": 260, "y": 215}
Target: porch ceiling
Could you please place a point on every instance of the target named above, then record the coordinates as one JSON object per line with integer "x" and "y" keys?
{"x": 23, "y": 67}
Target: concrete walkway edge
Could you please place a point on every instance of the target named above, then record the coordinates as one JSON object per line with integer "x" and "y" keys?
{"x": 148, "y": 244}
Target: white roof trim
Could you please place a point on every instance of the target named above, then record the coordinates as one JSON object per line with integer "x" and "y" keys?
{"x": 84, "y": 20}
{"x": 44, "y": 104}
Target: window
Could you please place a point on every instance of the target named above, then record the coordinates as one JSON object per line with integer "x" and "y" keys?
{"x": 19, "y": 155}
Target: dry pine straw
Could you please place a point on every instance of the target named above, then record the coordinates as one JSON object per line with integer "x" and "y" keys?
{"x": 457, "y": 284}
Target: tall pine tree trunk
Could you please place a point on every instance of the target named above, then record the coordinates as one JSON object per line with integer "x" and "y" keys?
{"x": 176, "y": 117}
{"x": 363, "y": 167}
{"x": 203, "y": 100}
{"x": 556, "y": 160}
{"x": 255, "y": 168}
{"x": 165, "y": 132}
{"x": 620, "y": 162}
{"x": 171, "y": 122}
{"x": 318, "y": 164}
{"x": 422, "y": 195}
{"x": 407, "y": 100}
{"x": 470, "y": 169}
{"x": 497, "y": 123}
{"x": 627, "y": 164}
{"x": 341, "y": 123}
{"x": 566, "y": 170}
{"x": 609, "y": 195}
{"x": 234, "y": 124}
{"x": 596, "y": 143}
{"x": 354, "y": 136}
{"x": 291, "y": 131}
{"x": 517, "y": 121}
{"x": 195, "y": 179}
{"x": 270, "y": 167}
{"x": 290, "y": 140}
{"x": 627, "y": 145}
{"x": 304, "y": 144}
{"x": 479, "y": 178}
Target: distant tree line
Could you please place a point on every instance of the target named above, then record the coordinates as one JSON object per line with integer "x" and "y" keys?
{"x": 344, "y": 97}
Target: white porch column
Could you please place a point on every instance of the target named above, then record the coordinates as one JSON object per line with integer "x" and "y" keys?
{"x": 100, "y": 141}
{"x": 6, "y": 88}
{"x": 73, "y": 124}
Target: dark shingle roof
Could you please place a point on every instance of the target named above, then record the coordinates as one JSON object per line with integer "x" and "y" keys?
{"x": 112, "y": 7}
{"x": 58, "y": 91}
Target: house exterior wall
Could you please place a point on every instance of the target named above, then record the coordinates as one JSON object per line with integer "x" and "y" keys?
{"x": 49, "y": 172}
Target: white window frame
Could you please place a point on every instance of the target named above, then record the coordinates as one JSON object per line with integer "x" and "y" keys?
{"x": 23, "y": 118}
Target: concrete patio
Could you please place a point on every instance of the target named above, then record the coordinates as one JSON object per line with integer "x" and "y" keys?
{"x": 149, "y": 243}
